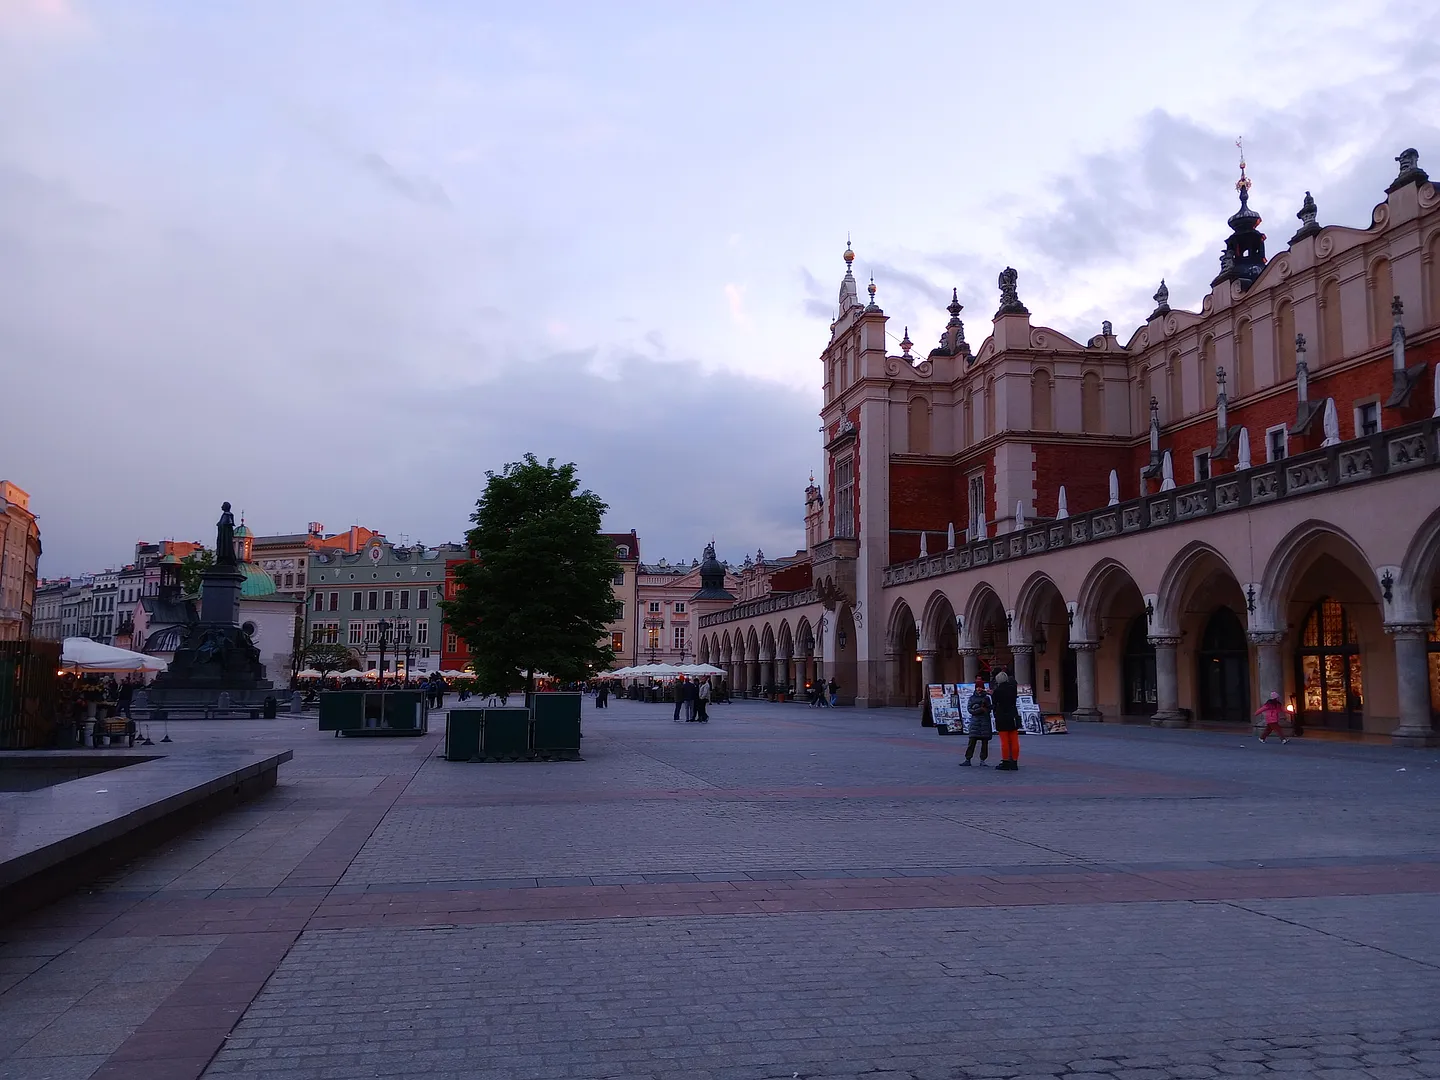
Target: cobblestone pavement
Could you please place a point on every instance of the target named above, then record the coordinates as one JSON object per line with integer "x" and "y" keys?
{"x": 783, "y": 892}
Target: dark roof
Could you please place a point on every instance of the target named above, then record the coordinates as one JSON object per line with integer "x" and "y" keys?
{"x": 282, "y": 538}
{"x": 629, "y": 539}
{"x": 163, "y": 612}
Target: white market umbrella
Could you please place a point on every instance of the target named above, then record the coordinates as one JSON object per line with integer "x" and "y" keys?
{"x": 701, "y": 669}
{"x": 82, "y": 654}
{"x": 1167, "y": 472}
{"x": 309, "y": 673}
{"x": 351, "y": 673}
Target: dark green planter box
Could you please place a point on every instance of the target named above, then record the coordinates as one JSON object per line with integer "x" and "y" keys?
{"x": 505, "y": 733}
{"x": 462, "y": 734}
{"x": 342, "y": 710}
{"x": 374, "y": 712}
{"x": 557, "y": 723}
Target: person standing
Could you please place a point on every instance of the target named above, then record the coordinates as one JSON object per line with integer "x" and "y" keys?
{"x": 1007, "y": 722}
{"x": 692, "y": 698}
{"x": 679, "y": 697}
{"x": 1274, "y": 713}
{"x": 702, "y": 702}
{"x": 834, "y": 693}
{"x": 980, "y": 726}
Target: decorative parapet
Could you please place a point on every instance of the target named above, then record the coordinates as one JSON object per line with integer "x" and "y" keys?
{"x": 766, "y": 605}
{"x": 1374, "y": 457}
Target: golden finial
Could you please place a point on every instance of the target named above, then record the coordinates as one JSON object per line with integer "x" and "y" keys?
{"x": 1243, "y": 184}
{"x": 849, "y": 255}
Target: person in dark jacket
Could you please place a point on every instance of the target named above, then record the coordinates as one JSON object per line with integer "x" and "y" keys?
{"x": 979, "y": 727}
{"x": 1007, "y": 723}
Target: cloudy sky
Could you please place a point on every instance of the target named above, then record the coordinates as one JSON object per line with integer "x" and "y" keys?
{"x": 332, "y": 261}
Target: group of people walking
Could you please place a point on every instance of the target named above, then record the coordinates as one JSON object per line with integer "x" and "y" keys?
{"x": 694, "y": 700}
{"x": 822, "y": 694}
{"x": 991, "y": 713}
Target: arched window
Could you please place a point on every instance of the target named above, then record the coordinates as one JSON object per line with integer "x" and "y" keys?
{"x": 1225, "y": 669}
{"x": 1173, "y": 399}
{"x": 1244, "y": 381}
{"x": 1285, "y": 340}
{"x": 1143, "y": 394}
{"x": 1207, "y": 374}
{"x": 1091, "y": 421}
{"x": 1042, "y": 414}
{"x": 1139, "y": 671}
{"x": 1332, "y": 343}
{"x": 919, "y": 426}
{"x": 1382, "y": 291}
{"x": 1328, "y": 669}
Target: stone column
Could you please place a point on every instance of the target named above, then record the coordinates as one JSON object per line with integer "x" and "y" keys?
{"x": 929, "y": 669}
{"x": 1086, "y": 708}
{"x": 1024, "y": 665}
{"x": 972, "y": 664}
{"x": 1412, "y": 685}
{"x": 1167, "y": 684}
{"x": 1269, "y": 664}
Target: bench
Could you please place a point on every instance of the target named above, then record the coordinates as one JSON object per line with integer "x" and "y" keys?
{"x": 114, "y": 728}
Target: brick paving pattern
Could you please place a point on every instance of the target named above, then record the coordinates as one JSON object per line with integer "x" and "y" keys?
{"x": 781, "y": 893}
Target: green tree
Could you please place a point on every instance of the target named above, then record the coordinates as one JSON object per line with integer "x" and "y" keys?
{"x": 327, "y": 658}
{"x": 537, "y": 594}
{"x": 192, "y": 567}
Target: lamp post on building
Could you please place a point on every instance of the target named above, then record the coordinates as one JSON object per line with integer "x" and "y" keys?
{"x": 384, "y": 632}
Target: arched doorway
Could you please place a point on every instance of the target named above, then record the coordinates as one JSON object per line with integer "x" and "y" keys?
{"x": 1434, "y": 657}
{"x": 909, "y": 677}
{"x": 1328, "y": 669}
{"x": 1139, "y": 671}
{"x": 1224, "y": 677}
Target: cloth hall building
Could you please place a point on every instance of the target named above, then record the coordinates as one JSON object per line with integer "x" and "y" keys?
{"x": 1229, "y": 502}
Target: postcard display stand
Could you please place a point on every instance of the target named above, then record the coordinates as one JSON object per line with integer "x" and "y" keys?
{"x": 950, "y": 709}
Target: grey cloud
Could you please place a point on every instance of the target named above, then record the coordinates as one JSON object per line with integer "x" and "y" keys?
{"x": 418, "y": 189}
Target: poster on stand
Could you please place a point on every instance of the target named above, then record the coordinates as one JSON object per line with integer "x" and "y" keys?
{"x": 1031, "y": 721}
{"x": 939, "y": 708}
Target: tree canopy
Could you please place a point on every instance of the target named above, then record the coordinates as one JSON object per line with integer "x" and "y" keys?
{"x": 536, "y": 596}
{"x": 328, "y": 657}
{"x": 192, "y": 570}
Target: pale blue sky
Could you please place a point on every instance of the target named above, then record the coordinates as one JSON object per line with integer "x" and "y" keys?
{"x": 331, "y": 261}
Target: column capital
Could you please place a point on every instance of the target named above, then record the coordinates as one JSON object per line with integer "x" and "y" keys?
{"x": 1022, "y": 649}
{"x": 1084, "y": 646}
{"x": 1266, "y": 637}
{"x": 927, "y": 652}
{"x": 1164, "y": 642}
{"x": 1405, "y": 629}
{"x": 969, "y": 652}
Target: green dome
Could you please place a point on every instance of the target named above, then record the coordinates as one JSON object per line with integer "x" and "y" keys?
{"x": 242, "y": 531}
{"x": 170, "y": 560}
{"x": 257, "y": 581}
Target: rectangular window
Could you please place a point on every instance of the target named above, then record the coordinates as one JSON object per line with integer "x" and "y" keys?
{"x": 373, "y": 600}
{"x": 319, "y": 601}
{"x": 317, "y": 634}
{"x": 289, "y": 581}
{"x": 617, "y": 640}
{"x": 334, "y": 601}
{"x": 404, "y": 599}
{"x": 389, "y": 599}
{"x": 619, "y": 578}
{"x": 679, "y": 638}
{"x": 652, "y": 637}
{"x": 423, "y": 599}
{"x": 356, "y": 600}
{"x": 424, "y": 654}
{"x": 1202, "y": 466}
{"x": 654, "y": 607}
{"x": 1276, "y": 442}
{"x": 357, "y": 629}
{"x": 1367, "y": 418}
{"x": 332, "y": 633}
{"x": 619, "y": 609}
{"x": 422, "y": 633}
{"x": 845, "y": 496}
{"x": 452, "y": 643}
{"x": 679, "y": 607}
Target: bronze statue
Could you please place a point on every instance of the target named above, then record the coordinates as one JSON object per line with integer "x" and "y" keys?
{"x": 225, "y": 537}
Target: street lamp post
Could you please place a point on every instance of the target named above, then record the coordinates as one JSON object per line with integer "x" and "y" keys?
{"x": 384, "y": 629}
